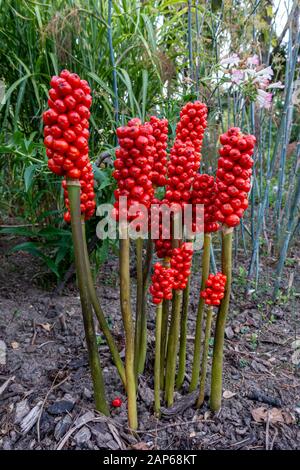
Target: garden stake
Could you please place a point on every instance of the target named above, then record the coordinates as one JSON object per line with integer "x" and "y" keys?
{"x": 96, "y": 372}
{"x": 128, "y": 326}
{"x": 198, "y": 332}
{"x": 217, "y": 362}
{"x": 204, "y": 357}
{"x": 157, "y": 359}
{"x": 100, "y": 315}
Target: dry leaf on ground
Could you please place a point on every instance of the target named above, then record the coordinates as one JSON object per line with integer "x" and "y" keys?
{"x": 141, "y": 446}
{"x": 275, "y": 415}
{"x": 228, "y": 394}
{"x": 46, "y": 326}
{"x": 296, "y": 357}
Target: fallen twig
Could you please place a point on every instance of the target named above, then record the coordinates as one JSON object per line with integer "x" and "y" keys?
{"x": 6, "y": 383}
{"x": 53, "y": 387}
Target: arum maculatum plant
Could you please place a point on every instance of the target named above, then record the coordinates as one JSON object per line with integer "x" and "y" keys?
{"x": 142, "y": 166}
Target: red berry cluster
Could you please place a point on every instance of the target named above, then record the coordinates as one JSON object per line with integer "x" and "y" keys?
{"x": 162, "y": 283}
{"x": 185, "y": 154}
{"x": 133, "y": 165}
{"x": 181, "y": 261}
{"x": 233, "y": 176}
{"x": 204, "y": 192}
{"x": 160, "y": 133}
{"x": 214, "y": 289}
{"x": 192, "y": 124}
{"x": 66, "y": 135}
{"x": 182, "y": 167}
{"x": 159, "y": 232}
{"x": 87, "y": 194}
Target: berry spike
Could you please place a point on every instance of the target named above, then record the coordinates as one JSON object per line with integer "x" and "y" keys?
{"x": 204, "y": 192}
{"x": 160, "y": 133}
{"x": 185, "y": 154}
{"x": 133, "y": 165}
{"x": 181, "y": 262}
{"x": 162, "y": 283}
{"x": 233, "y": 176}
{"x": 192, "y": 124}
{"x": 214, "y": 289}
{"x": 66, "y": 136}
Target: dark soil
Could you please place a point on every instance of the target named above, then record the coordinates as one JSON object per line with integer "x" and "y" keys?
{"x": 46, "y": 367}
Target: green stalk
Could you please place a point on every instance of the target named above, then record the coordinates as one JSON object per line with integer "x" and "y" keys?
{"x": 87, "y": 312}
{"x": 146, "y": 277}
{"x": 164, "y": 332}
{"x": 172, "y": 347}
{"x": 198, "y": 333}
{"x": 128, "y": 327}
{"x": 204, "y": 357}
{"x": 158, "y": 322}
{"x": 217, "y": 363}
{"x": 139, "y": 300}
{"x": 164, "y": 335}
{"x": 100, "y": 315}
{"x": 183, "y": 333}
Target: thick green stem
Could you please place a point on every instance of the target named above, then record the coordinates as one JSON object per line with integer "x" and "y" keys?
{"x": 217, "y": 363}
{"x": 128, "y": 327}
{"x": 100, "y": 315}
{"x": 205, "y": 356}
{"x": 157, "y": 359}
{"x": 139, "y": 300}
{"x": 87, "y": 312}
{"x": 183, "y": 333}
{"x": 198, "y": 332}
{"x": 164, "y": 332}
{"x": 146, "y": 277}
{"x": 164, "y": 335}
{"x": 172, "y": 347}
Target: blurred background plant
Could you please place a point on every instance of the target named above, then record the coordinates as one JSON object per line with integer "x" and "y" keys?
{"x": 149, "y": 57}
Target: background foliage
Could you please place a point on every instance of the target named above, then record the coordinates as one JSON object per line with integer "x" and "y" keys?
{"x": 144, "y": 57}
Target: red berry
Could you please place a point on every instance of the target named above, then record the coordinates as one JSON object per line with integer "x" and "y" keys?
{"x": 60, "y": 145}
{"x": 63, "y": 121}
{"x": 117, "y": 402}
{"x": 74, "y": 117}
{"x": 70, "y": 102}
{"x": 232, "y": 220}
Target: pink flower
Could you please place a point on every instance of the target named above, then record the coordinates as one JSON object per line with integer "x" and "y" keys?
{"x": 275, "y": 85}
{"x": 253, "y": 60}
{"x": 233, "y": 59}
{"x": 264, "y": 99}
{"x": 266, "y": 73}
{"x": 237, "y": 76}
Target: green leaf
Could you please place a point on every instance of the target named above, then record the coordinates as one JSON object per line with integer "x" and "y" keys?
{"x": 103, "y": 251}
{"x": 144, "y": 93}
{"x": 28, "y": 176}
{"x": 32, "y": 248}
{"x": 18, "y": 231}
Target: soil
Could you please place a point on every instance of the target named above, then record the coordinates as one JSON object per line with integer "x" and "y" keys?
{"x": 46, "y": 374}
